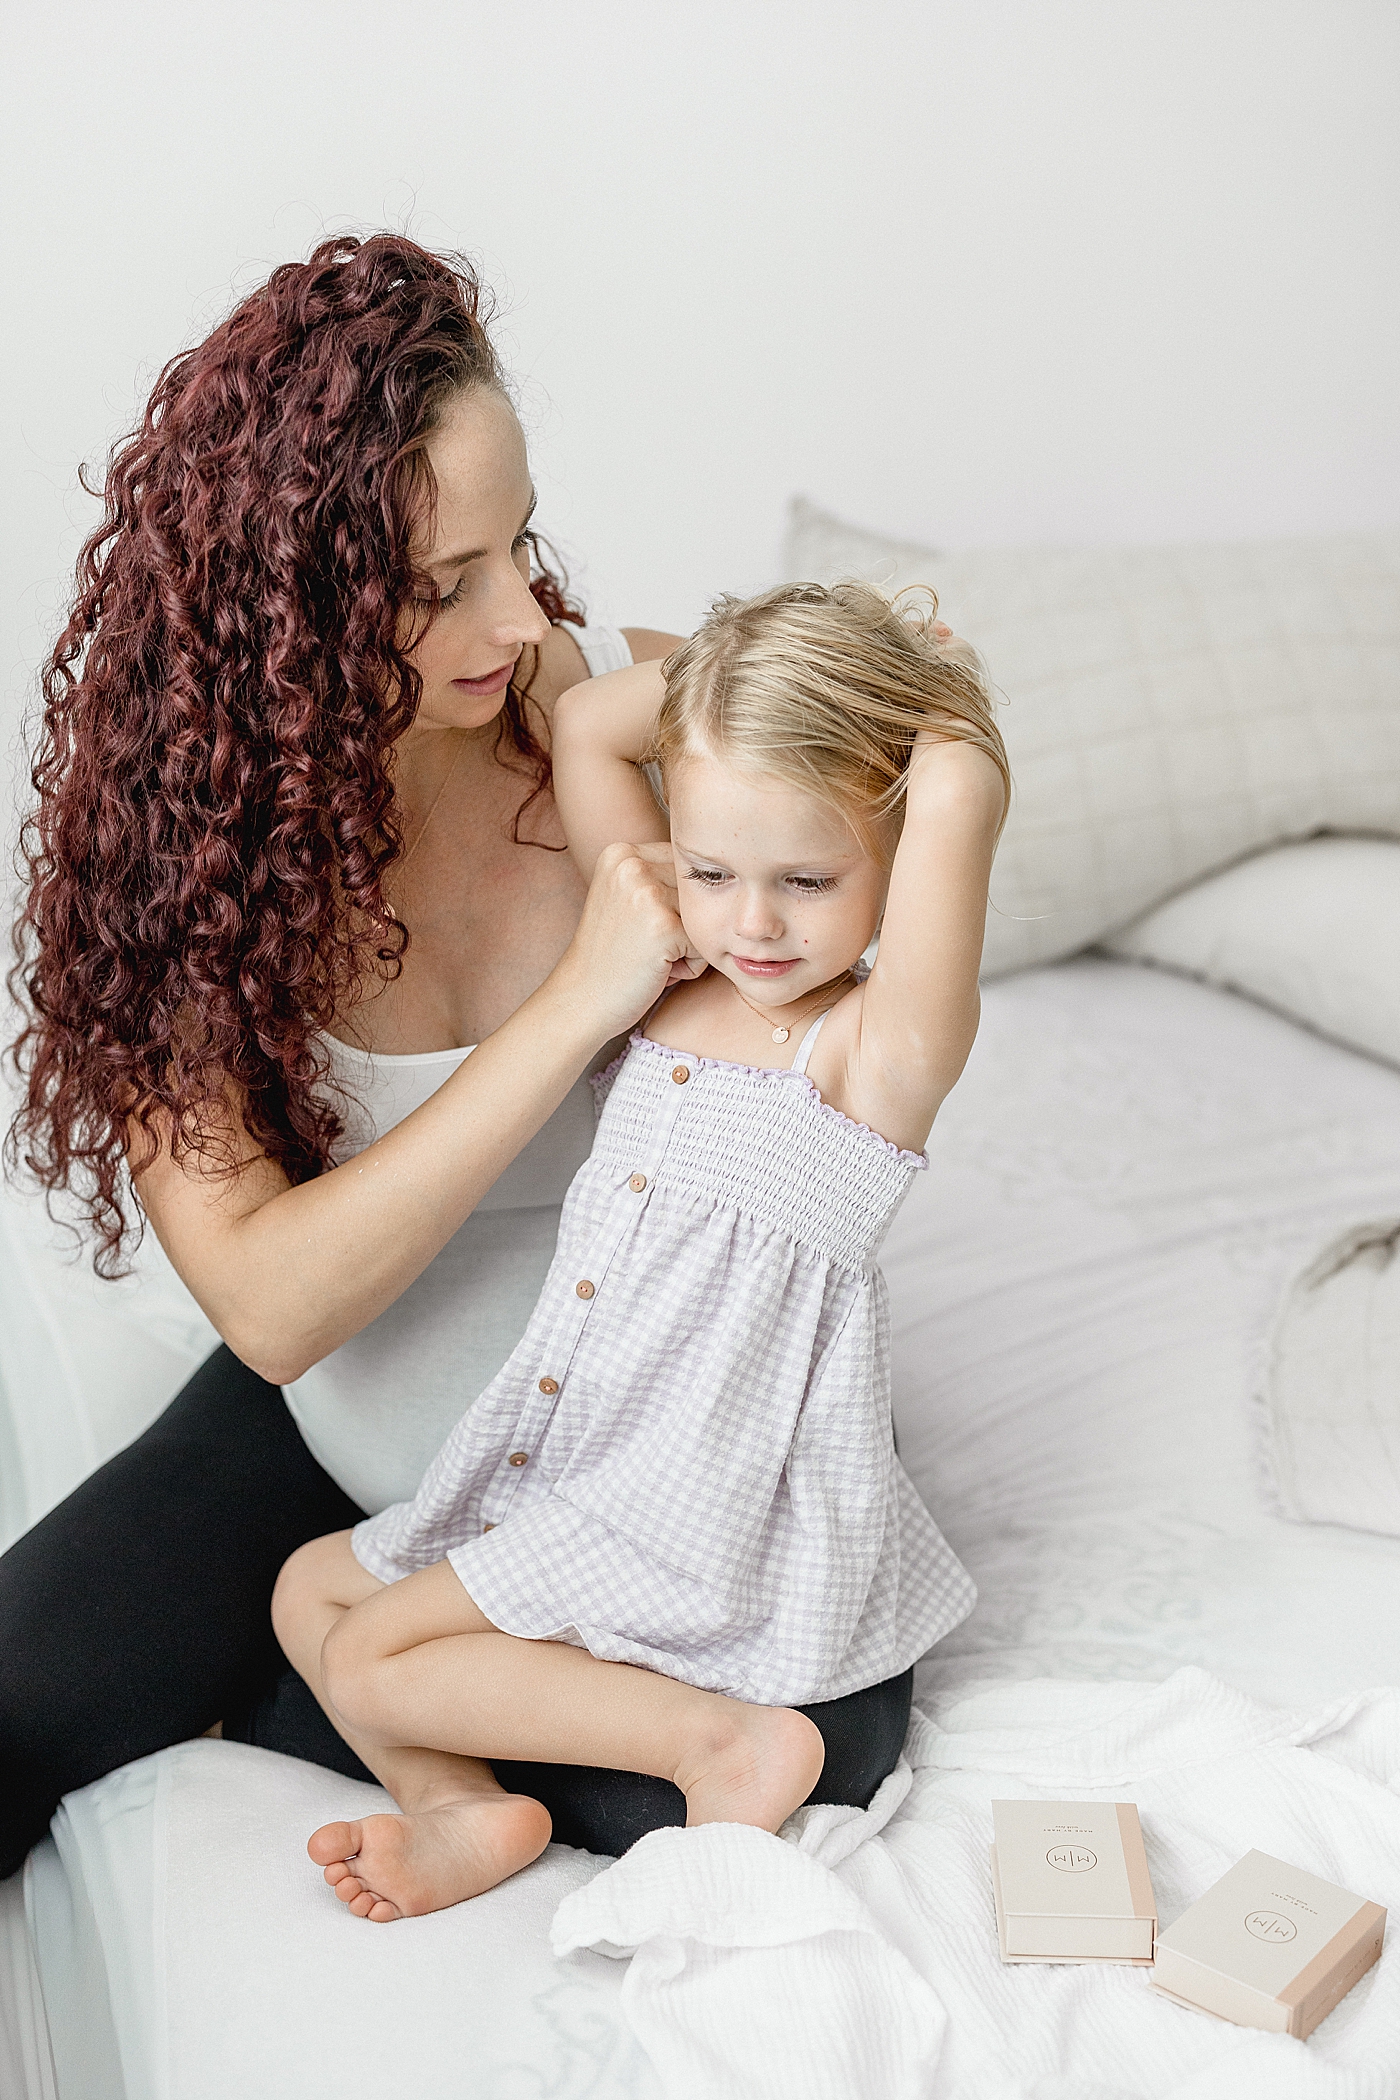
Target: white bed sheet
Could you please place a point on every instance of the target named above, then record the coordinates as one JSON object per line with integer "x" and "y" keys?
{"x": 1131, "y": 1170}
{"x": 1128, "y": 1174}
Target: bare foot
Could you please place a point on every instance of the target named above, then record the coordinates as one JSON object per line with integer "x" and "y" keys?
{"x": 758, "y": 1770}
{"x": 390, "y": 1867}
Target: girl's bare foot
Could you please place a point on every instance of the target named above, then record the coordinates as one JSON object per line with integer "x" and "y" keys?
{"x": 758, "y": 1769}
{"x": 389, "y": 1867}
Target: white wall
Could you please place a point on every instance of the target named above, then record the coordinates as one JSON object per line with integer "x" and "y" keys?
{"x": 976, "y": 270}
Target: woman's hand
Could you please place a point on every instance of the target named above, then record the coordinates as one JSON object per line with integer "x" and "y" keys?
{"x": 630, "y": 942}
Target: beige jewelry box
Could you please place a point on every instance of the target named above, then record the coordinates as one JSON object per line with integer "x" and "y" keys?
{"x": 1070, "y": 1882}
{"x": 1269, "y": 1946}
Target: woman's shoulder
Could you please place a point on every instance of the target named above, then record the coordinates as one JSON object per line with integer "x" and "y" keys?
{"x": 649, "y": 644}
{"x": 561, "y": 664}
{"x": 570, "y": 654}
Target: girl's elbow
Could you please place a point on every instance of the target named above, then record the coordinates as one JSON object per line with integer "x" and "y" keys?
{"x": 568, "y": 708}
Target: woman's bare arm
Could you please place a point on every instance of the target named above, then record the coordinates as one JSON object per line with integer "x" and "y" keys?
{"x": 287, "y": 1273}
{"x": 920, "y": 1008}
{"x": 650, "y": 644}
{"x": 600, "y": 731}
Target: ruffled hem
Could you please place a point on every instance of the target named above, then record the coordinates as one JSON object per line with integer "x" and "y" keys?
{"x": 918, "y": 1160}
{"x": 549, "y": 1571}
{"x": 609, "y": 1072}
{"x": 375, "y": 1563}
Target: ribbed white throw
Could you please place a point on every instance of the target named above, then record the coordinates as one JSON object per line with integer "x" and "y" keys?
{"x": 756, "y": 1974}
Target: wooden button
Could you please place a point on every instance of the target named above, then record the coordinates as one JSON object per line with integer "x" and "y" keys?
{"x": 680, "y": 1073}
{"x": 637, "y": 1184}
{"x": 518, "y": 1458}
{"x": 485, "y": 1528}
{"x": 584, "y": 1289}
{"x": 549, "y": 1385}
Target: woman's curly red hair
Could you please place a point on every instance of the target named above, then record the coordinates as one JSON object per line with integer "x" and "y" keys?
{"x": 215, "y": 811}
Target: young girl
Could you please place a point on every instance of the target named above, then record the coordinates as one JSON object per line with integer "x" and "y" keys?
{"x": 676, "y": 1516}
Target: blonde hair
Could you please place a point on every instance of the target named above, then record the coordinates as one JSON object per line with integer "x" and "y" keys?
{"x": 826, "y": 689}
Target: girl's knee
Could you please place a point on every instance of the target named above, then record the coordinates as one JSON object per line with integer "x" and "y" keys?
{"x": 320, "y": 1577}
{"x": 297, "y": 1587}
{"x": 350, "y": 1654}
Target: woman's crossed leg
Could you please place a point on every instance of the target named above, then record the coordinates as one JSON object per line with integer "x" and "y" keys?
{"x": 424, "y": 1688}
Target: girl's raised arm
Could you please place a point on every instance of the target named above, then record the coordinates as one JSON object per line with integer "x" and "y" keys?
{"x": 601, "y": 729}
{"x": 920, "y": 1008}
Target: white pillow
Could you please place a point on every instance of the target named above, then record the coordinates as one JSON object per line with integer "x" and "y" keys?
{"x": 1313, "y": 930}
{"x": 1170, "y": 709}
{"x": 1332, "y": 1385}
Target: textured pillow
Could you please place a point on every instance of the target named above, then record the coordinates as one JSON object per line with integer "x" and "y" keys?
{"x": 1332, "y": 1385}
{"x": 1313, "y": 930}
{"x": 1170, "y": 709}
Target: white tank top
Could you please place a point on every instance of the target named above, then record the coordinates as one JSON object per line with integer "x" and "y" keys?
{"x": 375, "y": 1410}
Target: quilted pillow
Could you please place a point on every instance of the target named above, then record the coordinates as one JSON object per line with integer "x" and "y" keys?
{"x": 1170, "y": 709}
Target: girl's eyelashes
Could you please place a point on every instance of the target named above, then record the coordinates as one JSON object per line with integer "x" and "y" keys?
{"x": 805, "y": 885}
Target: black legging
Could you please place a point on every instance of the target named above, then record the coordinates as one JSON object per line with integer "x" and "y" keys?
{"x": 136, "y": 1614}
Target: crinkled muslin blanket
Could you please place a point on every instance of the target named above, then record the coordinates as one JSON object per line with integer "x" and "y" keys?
{"x": 854, "y": 1957}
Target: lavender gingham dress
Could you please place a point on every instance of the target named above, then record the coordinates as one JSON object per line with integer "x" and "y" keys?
{"x": 688, "y": 1461}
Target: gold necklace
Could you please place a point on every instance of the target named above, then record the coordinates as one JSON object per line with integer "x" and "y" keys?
{"x": 432, "y": 807}
{"x": 400, "y": 865}
{"x": 780, "y": 1034}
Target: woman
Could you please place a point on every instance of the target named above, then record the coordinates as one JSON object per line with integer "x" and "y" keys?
{"x": 295, "y": 850}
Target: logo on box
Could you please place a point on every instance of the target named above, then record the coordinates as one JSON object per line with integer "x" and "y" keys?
{"x": 1071, "y": 1859}
{"x": 1270, "y": 1925}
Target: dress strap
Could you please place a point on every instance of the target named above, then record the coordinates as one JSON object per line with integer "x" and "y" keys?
{"x": 809, "y": 1043}
{"x": 653, "y": 1010}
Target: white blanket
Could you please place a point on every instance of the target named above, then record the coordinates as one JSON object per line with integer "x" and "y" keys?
{"x": 760, "y": 1971}
{"x": 755, "y": 1970}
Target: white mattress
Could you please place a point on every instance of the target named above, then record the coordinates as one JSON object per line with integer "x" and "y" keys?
{"x": 1128, "y": 1174}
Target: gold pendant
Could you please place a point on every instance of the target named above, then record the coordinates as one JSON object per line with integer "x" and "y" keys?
{"x": 780, "y": 1035}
